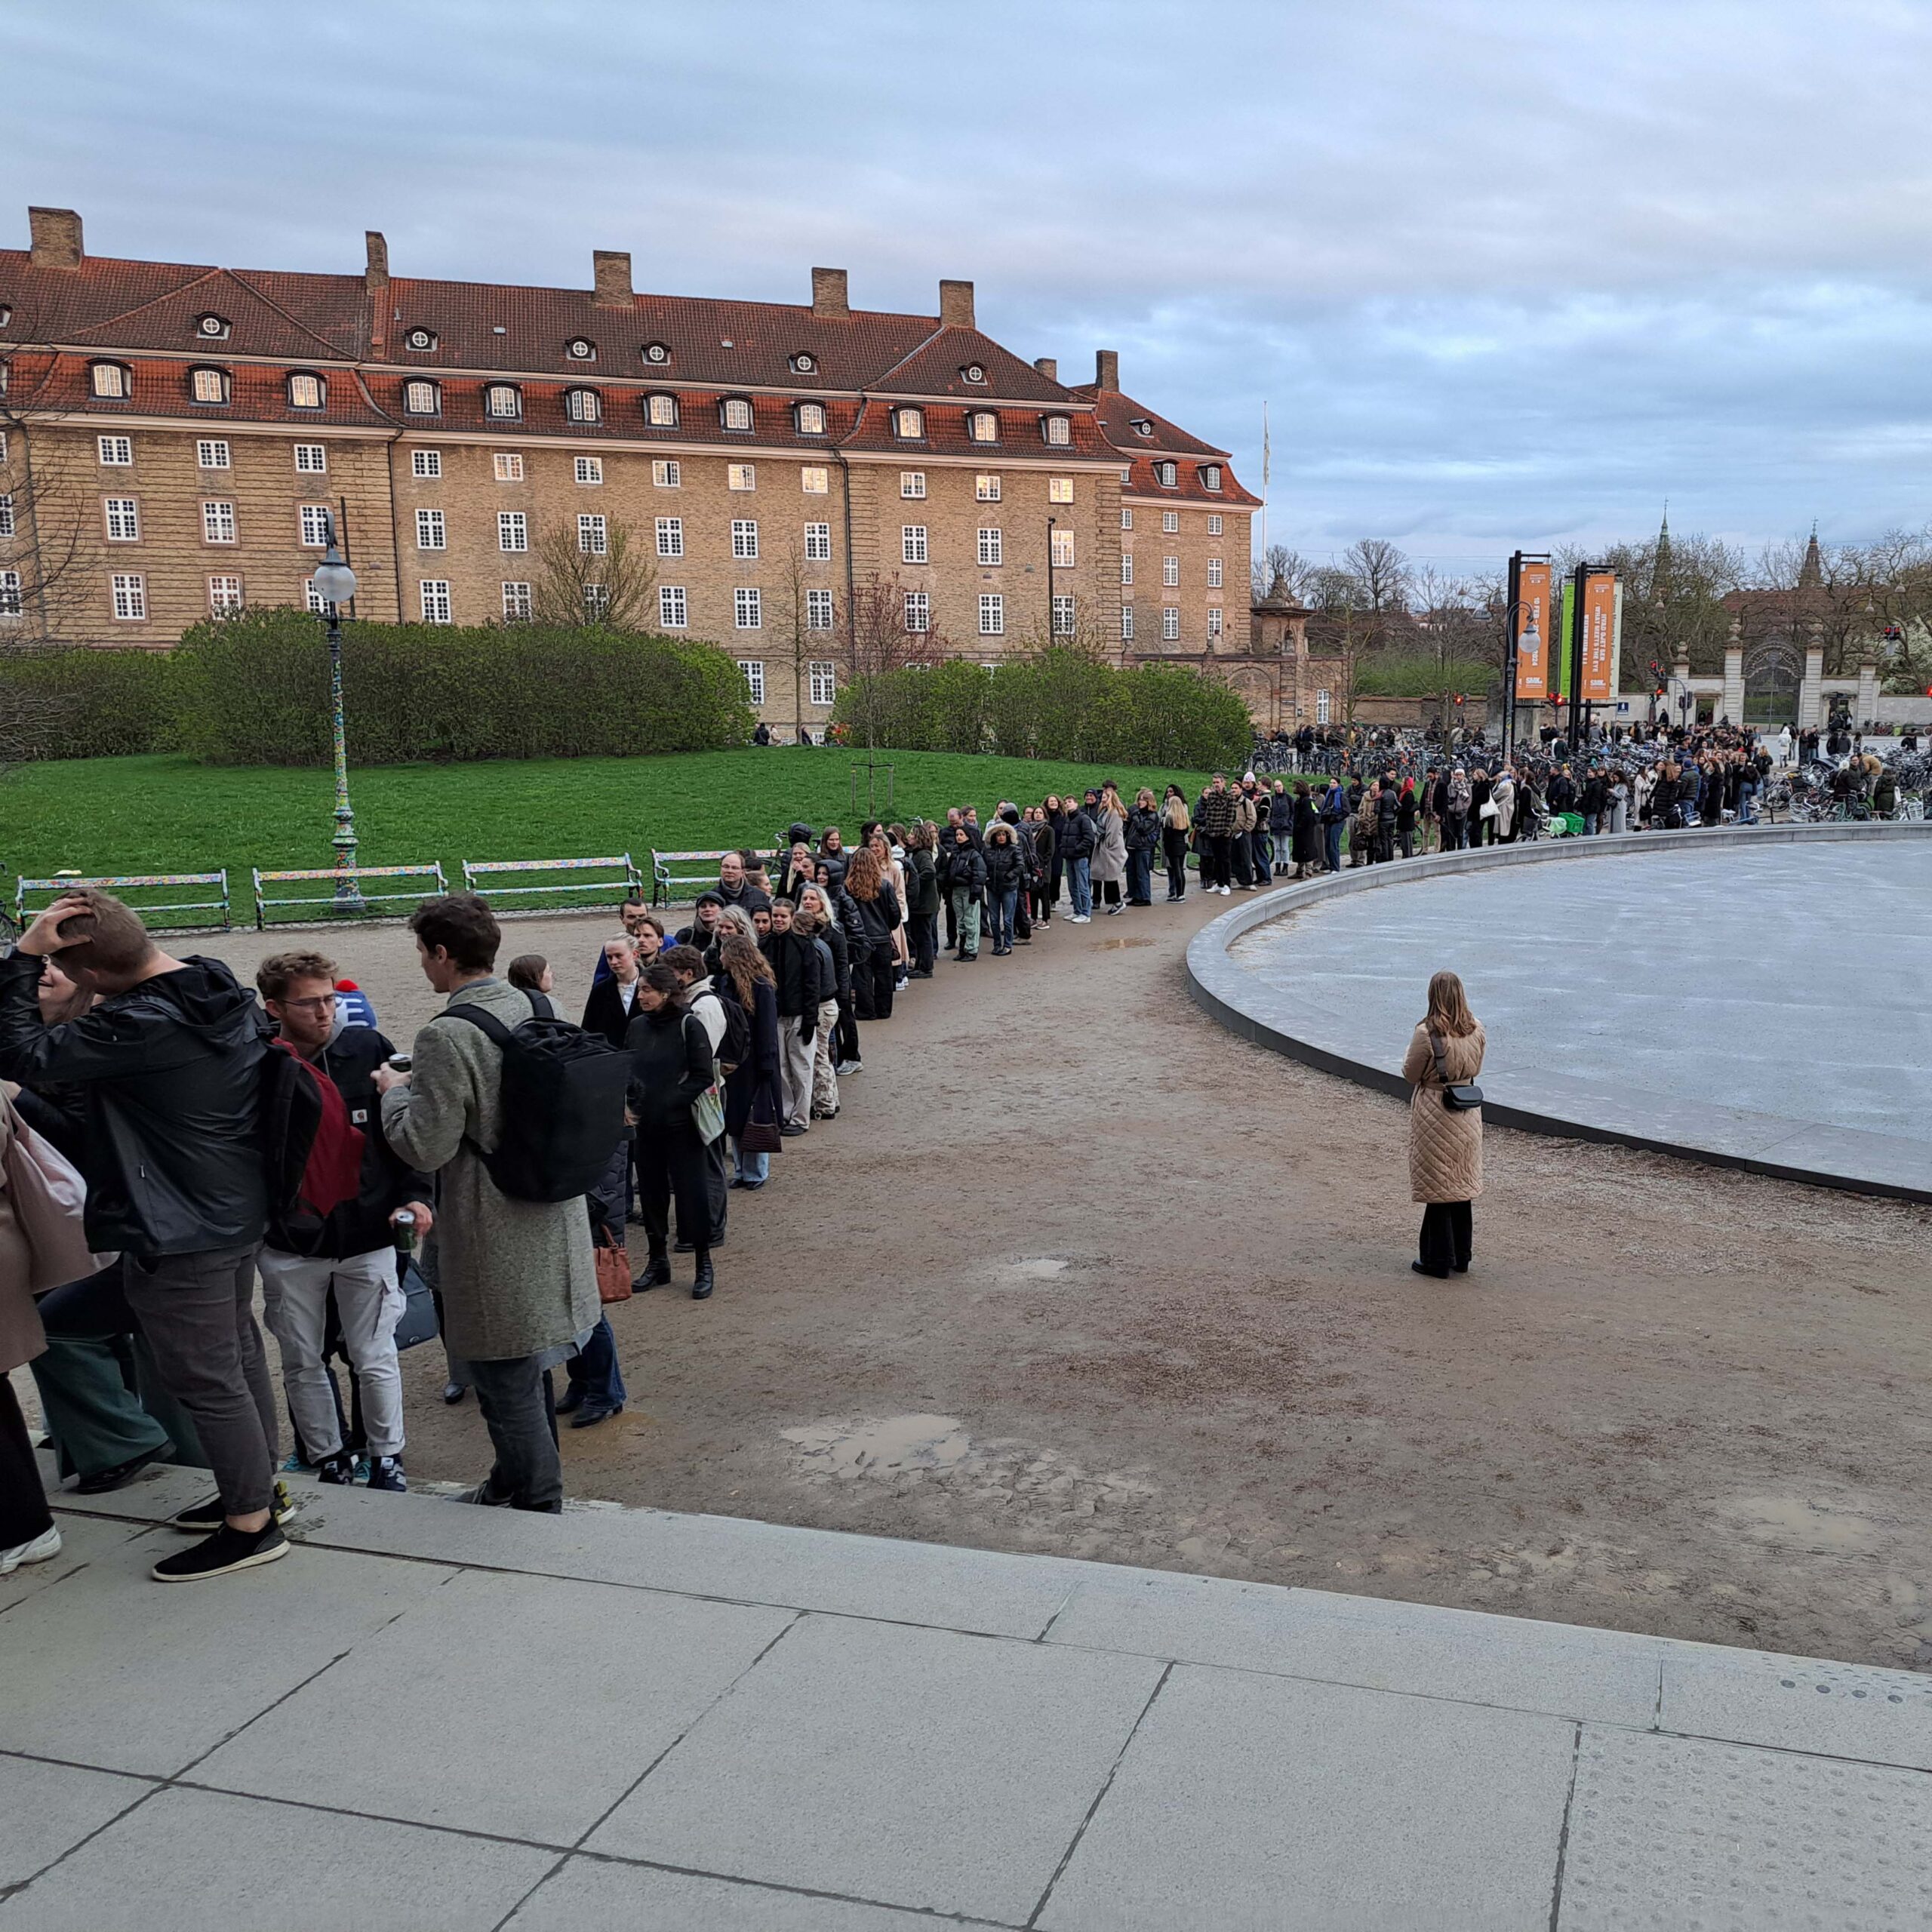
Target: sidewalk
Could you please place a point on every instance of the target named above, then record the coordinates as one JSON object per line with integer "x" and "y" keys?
{"x": 457, "y": 1719}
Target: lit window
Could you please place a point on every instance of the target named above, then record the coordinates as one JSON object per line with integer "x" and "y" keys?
{"x": 583, "y": 405}
{"x": 503, "y": 401}
{"x": 744, "y": 537}
{"x": 814, "y": 481}
{"x": 124, "y": 521}
{"x": 311, "y": 459}
{"x": 1170, "y": 570}
{"x": 1126, "y": 623}
{"x": 593, "y": 536}
{"x": 811, "y": 419}
{"x": 426, "y": 462}
{"x": 1170, "y": 522}
{"x": 982, "y": 425}
{"x": 512, "y": 530}
{"x": 1127, "y": 566}
{"x": 1058, "y": 430}
{"x": 824, "y": 681}
{"x": 1170, "y": 623}
{"x": 1062, "y": 616}
{"x": 1059, "y": 489}
{"x": 435, "y": 594}
{"x": 747, "y": 610}
{"x": 754, "y": 670}
{"x": 1211, "y": 476}
{"x": 912, "y": 482}
{"x": 990, "y": 548}
{"x": 130, "y": 599}
{"x": 1214, "y": 620}
{"x": 818, "y": 542}
{"x": 918, "y": 612}
{"x": 661, "y": 411}
{"x": 7, "y": 524}
{"x": 430, "y": 532}
{"x": 208, "y": 385}
{"x": 110, "y": 381}
{"x": 421, "y": 398}
{"x": 909, "y": 425}
{"x": 992, "y": 614}
{"x": 741, "y": 476}
{"x": 517, "y": 604}
{"x": 1126, "y": 518}
{"x": 315, "y": 526}
{"x": 117, "y": 452}
{"x": 1166, "y": 475}
{"x": 1214, "y": 573}
{"x": 224, "y": 594}
{"x": 596, "y": 601}
{"x": 10, "y": 594}
{"x": 735, "y": 413}
{"x": 1063, "y": 549}
{"x": 305, "y": 392}
{"x": 1214, "y": 525}
{"x": 670, "y": 536}
{"x": 667, "y": 475}
{"x": 671, "y": 606}
{"x": 210, "y": 455}
{"x": 589, "y": 470}
{"x": 912, "y": 543}
{"x": 818, "y": 610}
{"x": 985, "y": 489}
{"x": 509, "y": 466}
{"x": 1322, "y": 707}
{"x": 217, "y": 523}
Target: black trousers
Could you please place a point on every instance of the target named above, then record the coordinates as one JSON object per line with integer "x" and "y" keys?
{"x": 672, "y": 1160}
{"x": 1106, "y": 891}
{"x": 1446, "y": 1230}
{"x": 24, "y": 1515}
{"x": 1214, "y": 860}
{"x": 848, "y": 1029}
{"x": 1174, "y": 850}
{"x": 1241, "y": 856}
{"x": 924, "y": 936}
{"x": 880, "y": 969}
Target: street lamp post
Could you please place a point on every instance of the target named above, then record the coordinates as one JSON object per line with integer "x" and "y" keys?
{"x": 1531, "y": 640}
{"x": 335, "y": 585}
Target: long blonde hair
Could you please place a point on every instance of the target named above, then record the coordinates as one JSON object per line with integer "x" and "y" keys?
{"x": 1449, "y": 1008}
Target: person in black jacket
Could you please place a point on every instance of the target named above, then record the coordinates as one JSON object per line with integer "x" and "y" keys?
{"x": 1405, "y": 819}
{"x": 1077, "y": 836}
{"x": 170, "y": 1062}
{"x": 671, "y": 1069}
{"x": 613, "y": 999}
{"x": 1143, "y": 834}
{"x": 349, "y": 1256}
{"x": 1307, "y": 831}
{"x": 1005, "y": 871}
{"x": 921, "y": 865}
{"x": 877, "y": 906}
{"x": 963, "y": 876}
{"x": 797, "y": 971}
{"x": 1387, "y": 811}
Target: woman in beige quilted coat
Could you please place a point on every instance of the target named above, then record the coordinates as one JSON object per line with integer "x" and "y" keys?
{"x": 1445, "y": 1145}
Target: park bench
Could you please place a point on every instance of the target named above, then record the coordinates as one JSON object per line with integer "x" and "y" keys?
{"x": 677, "y": 877}
{"x": 497, "y": 879}
{"x": 313, "y": 907}
{"x": 135, "y": 888}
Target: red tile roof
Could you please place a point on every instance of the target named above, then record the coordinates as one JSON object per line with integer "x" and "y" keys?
{"x": 1116, "y": 415}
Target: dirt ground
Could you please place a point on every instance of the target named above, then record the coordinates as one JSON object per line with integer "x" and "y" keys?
{"x": 1076, "y": 1271}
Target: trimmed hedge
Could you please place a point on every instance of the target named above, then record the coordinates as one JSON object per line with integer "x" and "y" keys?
{"x": 57, "y": 702}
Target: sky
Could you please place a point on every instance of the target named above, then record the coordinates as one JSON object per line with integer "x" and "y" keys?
{"x": 1502, "y": 274}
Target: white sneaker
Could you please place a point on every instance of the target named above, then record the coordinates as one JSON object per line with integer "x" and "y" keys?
{"x": 40, "y": 1550}
{"x": 1079, "y": 919}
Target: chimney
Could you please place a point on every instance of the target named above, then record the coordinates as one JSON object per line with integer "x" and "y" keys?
{"x": 56, "y": 233}
{"x": 955, "y": 305}
{"x": 376, "y": 275}
{"x": 829, "y": 296}
{"x": 611, "y": 275}
{"x": 1106, "y": 369}
{"x": 1047, "y": 366}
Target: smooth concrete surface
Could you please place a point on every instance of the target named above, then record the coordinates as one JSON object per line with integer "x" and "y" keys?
{"x": 1751, "y": 997}
{"x": 502, "y": 1735}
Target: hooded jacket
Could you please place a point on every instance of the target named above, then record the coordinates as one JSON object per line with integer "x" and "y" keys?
{"x": 963, "y": 869}
{"x": 170, "y": 1076}
{"x": 1003, "y": 863}
{"x": 799, "y": 967}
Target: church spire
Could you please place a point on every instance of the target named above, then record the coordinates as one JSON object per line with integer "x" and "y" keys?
{"x": 1811, "y": 572}
{"x": 1660, "y": 568}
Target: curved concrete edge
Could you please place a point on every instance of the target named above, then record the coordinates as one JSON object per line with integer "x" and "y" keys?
{"x": 1783, "y": 1148}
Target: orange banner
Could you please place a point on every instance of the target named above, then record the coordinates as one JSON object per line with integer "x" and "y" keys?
{"x": 1599, "y": 640}
{"x": 1533, "y": 667}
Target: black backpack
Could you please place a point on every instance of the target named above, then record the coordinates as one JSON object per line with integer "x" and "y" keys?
{"x": 563, "y": 1101}
{"x": 736, "y": 1047}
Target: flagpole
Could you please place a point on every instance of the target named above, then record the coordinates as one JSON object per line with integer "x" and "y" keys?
{"x": 1264, "y": 484}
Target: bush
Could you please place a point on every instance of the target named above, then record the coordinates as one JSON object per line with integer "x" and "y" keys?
{"x": 57, "y": 702}
{"x": 1421, "y": 677}
{"x": 254, "y": 690}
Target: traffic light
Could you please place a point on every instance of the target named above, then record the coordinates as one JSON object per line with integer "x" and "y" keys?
{"x": 1459, "y": 696}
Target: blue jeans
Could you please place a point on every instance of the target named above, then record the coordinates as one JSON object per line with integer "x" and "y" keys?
{"x": 1140, "y": 877}
{"x": 1747, "y": 799}
{"x": 1589, "y": 825}
{"x": 1000, "y": 906}
{"x": 1331, "y": 847}
{"x": 595, "y": 1371}
{"x": 1080, "y": 883}
{"x": 751, "y": 1167}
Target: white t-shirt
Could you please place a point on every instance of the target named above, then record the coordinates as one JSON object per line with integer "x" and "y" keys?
{"x": 709, "y": 1009}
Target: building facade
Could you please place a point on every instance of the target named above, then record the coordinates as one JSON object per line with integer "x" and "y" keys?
{"x": 177, "y": 440}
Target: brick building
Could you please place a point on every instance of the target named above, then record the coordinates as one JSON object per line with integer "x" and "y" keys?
{"x": 173, "y": 435}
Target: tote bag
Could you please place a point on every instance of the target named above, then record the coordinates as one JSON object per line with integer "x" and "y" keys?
{"x": 48, "y": 1196}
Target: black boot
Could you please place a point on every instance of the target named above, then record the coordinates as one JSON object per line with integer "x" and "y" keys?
{"x": 701, "y": 1287}
{"x": 657, "y": 1272}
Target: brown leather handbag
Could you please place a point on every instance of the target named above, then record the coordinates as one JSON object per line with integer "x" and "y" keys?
{"x": 613, "y": 1269}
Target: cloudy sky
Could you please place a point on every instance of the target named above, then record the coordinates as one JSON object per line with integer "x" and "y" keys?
{"x": 1504, "y": 273}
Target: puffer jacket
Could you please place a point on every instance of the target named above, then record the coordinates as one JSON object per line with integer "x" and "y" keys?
{"x": 1143, "y": 830}
{"x": 964, "y": 869}
{"x": 1280, "y": 812}
{"x": 1003, "y": 863}
{"x": 1078, "y": 836}
{"x": 1445, "y": 1147}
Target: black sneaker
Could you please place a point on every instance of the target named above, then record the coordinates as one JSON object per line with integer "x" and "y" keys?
{"x": 202, "y": 1519}
{"x": 227, "y": 1550}
{"x": 339, "y": 1468}
{"x": 386, "y": 1472}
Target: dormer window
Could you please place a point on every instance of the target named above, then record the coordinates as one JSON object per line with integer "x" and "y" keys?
{"x": 972, "y": 373}
{"x": 1142, "y": 427}
{"x": 211, "y": 328}
{"x": 579, "y": 349}
{"x": 1058, "y": 430}
{"x": 112, "y": 382}
{"x": 583, "y": 405}
{"x": 421, "y": 399}
{"x": 1167, "y": 475}
{"x": 502, "y": 401}
{"x": 810, "y": 417}
{"x": 208, "y": 385}
{"x": 909, "y": 425}
{"x": 1211, "y": 476}
{"x": 735, "y": 413}
{"x": 803, "y": 364}
{"x": 982, "y": 425}
{"x": 419, "y": 339}
{"x": 306, "y": 391}
{"x": 661, "y": 411}
{"x": 656, "y": 354}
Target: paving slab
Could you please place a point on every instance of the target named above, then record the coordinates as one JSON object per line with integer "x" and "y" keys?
{"x": 437, "y": 1717}
{"x": 1840, "y": 1710}
{"x": 46, "y": 1810}
{"x": 1251, "y": 1802}
{"x": 905, "y": 1766}
{"x": 1669, "y": 1831}
{"x": 1525, "y": 1665}
{"x": 196, "y": 1861}
{"x": 155, "y": 1495}
{"x": 83, "y": 1539}
{"x": 108, "y": 1668}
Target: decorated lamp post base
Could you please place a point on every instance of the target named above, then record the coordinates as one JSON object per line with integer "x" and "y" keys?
{"x": 335, "y": 585}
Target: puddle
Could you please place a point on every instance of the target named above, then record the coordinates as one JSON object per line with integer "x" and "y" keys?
{"x": 1118, "y": 944}
{"x": 870, "y": 1448}
{"x": 1791, "y": 1520}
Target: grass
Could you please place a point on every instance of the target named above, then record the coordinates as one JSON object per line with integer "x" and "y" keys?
{"x": 162, "y": 815}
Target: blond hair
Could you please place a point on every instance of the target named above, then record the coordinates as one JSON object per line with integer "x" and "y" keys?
{"x": 1449, "y": 1008}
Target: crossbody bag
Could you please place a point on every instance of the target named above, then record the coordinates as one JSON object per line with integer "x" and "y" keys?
{"x": 1459, "y": 1097}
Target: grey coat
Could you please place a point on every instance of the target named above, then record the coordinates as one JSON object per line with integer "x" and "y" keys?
{"x": 1109, "y": 849}
{"x": 517, "y": 1277}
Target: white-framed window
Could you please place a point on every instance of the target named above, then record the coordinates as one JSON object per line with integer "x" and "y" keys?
{"x": 224, "y": 594}
{"x": 421, "y": 397}
{"x": 740, "y": 476}
{"x": 517, "y": 602}
{"x": 7, "y": 526}
{"x": 1061, "y": 549}
{"x": 670, "y": 536}
{"x": 1058, "y": 431}
{"x": 9, "y": 595}
{"x": 811, "y": 419}
{"x": 1062, "y": 616}
{"x": 512, "y": 530}
{"x": 507, "y": 466}
{"x": 1169, "y": 523}
{"x": 124, "y": 520}
{"x": 314, "y": 519}
{"x": 744, "y": 536}
{"x": 305, "y": 392}
{"x": 430, "y": 534}
{"x": 130, "y": 599}
{"x": 583, "y": 405}
{"x": 982, "y": 425}
{"x": 1170, "y": 571}
{"x": 1127, "y": 566}
{"x": 1211, "y": 476}
{"x": 985, "y": 489}
{"x": 117, "y": 452}
{"x": 1322, "y": 707}
{"x": 209, "y": 385}
{"x": 671, "y": 606}
{"x": 818, "y": 542}
{"x": 1059, "y": 489}
{"x": 1170, "y": 623}
{"x": 1126, "y": 623}
{"x": 211, "y": 453}
{"x": 754, "y": 670}
{"x": 502, "y": 401}
{"x": 110, "y": 381}
{"x": 993, "y": 613}
{"x": 1215, "y": 619}
{"x": 427, "y": 463}
{"x": 1213, "y": 574}
{"x": 589, "y": 470}
{"x": 668, "y": 475}
{"x": 818, "y": 610}
{"x": 824, "y": 680}
{"x": 991, "y": 548}
{"x": 912, "y": 543}
{"x": 435, "y": 594}
{"x": 661, "y": 411}
{"x": 918, "y": 612}
{"x": 735, "y": 413}
{"x": 815, "y": 480}
{"x": 593, "y": 535}
{"x": 596, "y": 601}
{"x": 1167, "y": 475}
{"x": 312, "y": 459}
{"x": 747, "y": 610}
{"x": 580, "y": 349}
{"x": 312, "y": 597}
{"x": 1126, "y": 518}
{"x": 1214, "y": 525}
{"x": 218, "y": 523}
{"x": 908, "y": 424}
{"x": 912, "y": 482}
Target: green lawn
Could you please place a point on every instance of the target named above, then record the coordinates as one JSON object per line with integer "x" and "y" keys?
{"x": 160, "y": 814}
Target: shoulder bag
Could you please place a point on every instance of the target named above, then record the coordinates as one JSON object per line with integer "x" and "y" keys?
{"x": 49, "y": 1198}
{"x": 1459, "y": 1096}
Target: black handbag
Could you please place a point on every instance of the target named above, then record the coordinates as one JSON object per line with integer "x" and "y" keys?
{"x": 418, "y": 1324}
{"x": 1460, "y": 1097}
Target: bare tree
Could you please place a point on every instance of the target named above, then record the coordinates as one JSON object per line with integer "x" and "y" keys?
{"x": 877, "y": 643}
{"x": 1382, "y": 575}
{"x": 582, "y": 580}
{"x": 794, "y": 626}
{"x": 1282, "y": 573}
{"x": 49, "y": 546}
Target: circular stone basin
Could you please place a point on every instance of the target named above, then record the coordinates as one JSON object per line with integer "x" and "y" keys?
{"x": 1757, "y": 999}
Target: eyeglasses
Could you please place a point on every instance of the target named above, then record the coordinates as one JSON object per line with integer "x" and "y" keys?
{"x": 317, "y": 1005}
